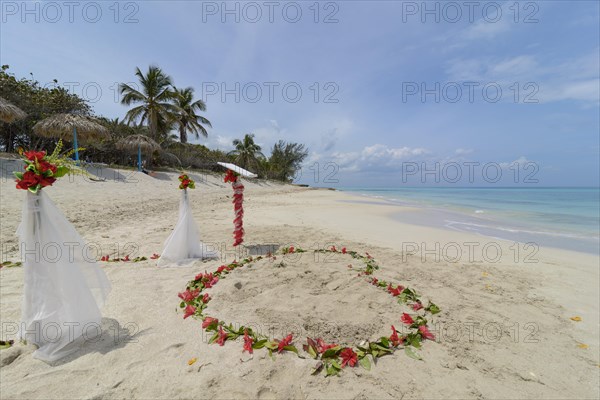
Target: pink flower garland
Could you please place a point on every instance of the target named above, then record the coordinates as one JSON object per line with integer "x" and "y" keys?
{"x": 238, "y": 200}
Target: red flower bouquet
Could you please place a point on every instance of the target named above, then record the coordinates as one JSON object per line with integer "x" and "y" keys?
{"x": 42, "y": 170}
{"x": 186, "y": 182}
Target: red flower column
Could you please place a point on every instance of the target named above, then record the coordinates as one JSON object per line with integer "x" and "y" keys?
{"x": 238, "y": 200}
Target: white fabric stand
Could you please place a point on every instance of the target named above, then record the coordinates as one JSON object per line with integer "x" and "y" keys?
{"x": 64, "y": 287}
{"x": 183, "y": 246}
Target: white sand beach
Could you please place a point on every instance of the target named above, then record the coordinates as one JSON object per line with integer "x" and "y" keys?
{"x": 504, "y": 330}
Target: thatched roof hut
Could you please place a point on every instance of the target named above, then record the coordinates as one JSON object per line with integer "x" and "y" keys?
{"x": 9, "y": 112}
{"x": 61, "y": 126}
{"x": 137, "y": 142}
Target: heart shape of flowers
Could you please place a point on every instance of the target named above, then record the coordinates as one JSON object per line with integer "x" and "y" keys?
{"x": 330, "y": 357}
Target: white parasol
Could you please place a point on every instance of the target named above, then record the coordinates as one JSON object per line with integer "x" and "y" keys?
{"x": 238, "y": 170}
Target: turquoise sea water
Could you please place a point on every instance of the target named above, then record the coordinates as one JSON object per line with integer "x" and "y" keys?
{"x": 558, "y": 217}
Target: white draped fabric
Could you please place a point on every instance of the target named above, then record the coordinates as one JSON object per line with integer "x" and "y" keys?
{"x": 183, "y": 246}
{"x": 64, "y": 287}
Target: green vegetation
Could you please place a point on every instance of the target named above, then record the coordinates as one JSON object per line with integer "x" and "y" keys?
{"x": 158, "y": 109}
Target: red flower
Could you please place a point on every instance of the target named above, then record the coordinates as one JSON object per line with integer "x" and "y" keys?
{"x": 417, "y": 306}
{"x": 333, "y": 249}
{"x": 349, "y": 357}
{"x": 343, "y": 250}
{"x": 395, "y": 292}
{"x": 188, "y": 296}
{"x": 30, "y": 179}
{"x": 198, "y": 277}
{"x": 222, "y": 268}
{"x": 285, "y": 342}
{"x": 230, "y": 176}
{"x": 209, "y": 280}
{"x": 154, "y": 256}
{"x": 205, "y": 298}
{"x": 126, "y": 258}
{"x": 47, "y": 181}
{"x": 394, "y": 337}
{"x": 189, "y": 311}
{"x": 247, "y": 342}
{"x": 426, "y": 333}
{"x": 222, "y": 336}
{"x": 208, "y": 321}
{"x": 291, "y": 249}
{"x": 322, "y": 347}
{"x": 33, "y": 155}
{"x": 104, "y": 258}
{"x": 45, "y": 166}
{"x": 375, "y": 281}
{"x": 407, "y": 319}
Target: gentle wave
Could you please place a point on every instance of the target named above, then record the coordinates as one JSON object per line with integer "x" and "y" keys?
{"x": 450, "y": 224}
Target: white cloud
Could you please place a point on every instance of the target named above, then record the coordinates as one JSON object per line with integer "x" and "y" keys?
{"x": 463, "y": 152}
{"x": 377, "y": 156}
{"x": 538, "y": 80}
{"x": 484, "y": 29}
{"x": 520, "y": 162}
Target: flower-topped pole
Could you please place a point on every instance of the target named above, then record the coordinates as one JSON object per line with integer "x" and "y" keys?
{"x": 67, "y": 288}
{"x": 238, "y": 206}
{"x": 233, "y": 175}
{"x": 183, "y": 246}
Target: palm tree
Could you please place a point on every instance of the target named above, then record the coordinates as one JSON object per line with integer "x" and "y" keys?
{"x": 187, "y": 120}
{"x": 246, "y": 152}
{"x": 154, "y": 97}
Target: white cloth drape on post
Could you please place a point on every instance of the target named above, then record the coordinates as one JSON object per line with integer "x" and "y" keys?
{"x": 64, "y": 288}
{"x": 183, "y": 246}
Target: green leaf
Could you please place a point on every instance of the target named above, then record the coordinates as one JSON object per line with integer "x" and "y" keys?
{"x": 415, "y": 342}
{"x": 293, "y": 349}
{"x": 432, "y": 308}
{"x": 312, "y": 352}
{"x": 412, "y": 354}
{"x": 271, "y": 345}
{"x": 18, "y": 175}
{"x": 385, "y": 342}
{"x": 331, "y": 371}
{"x": 61, "y": 171}
{"x": 213, "y": 338}
{"x": 260, "y": 344}
{"x": 365, "y": 363}
{"x": 379, "y": 348}
{"x": 35, "y": 189}
{"x": 331, "y": 353}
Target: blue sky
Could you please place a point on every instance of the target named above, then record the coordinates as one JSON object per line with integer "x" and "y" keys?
{"x": 399, "y": 87}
